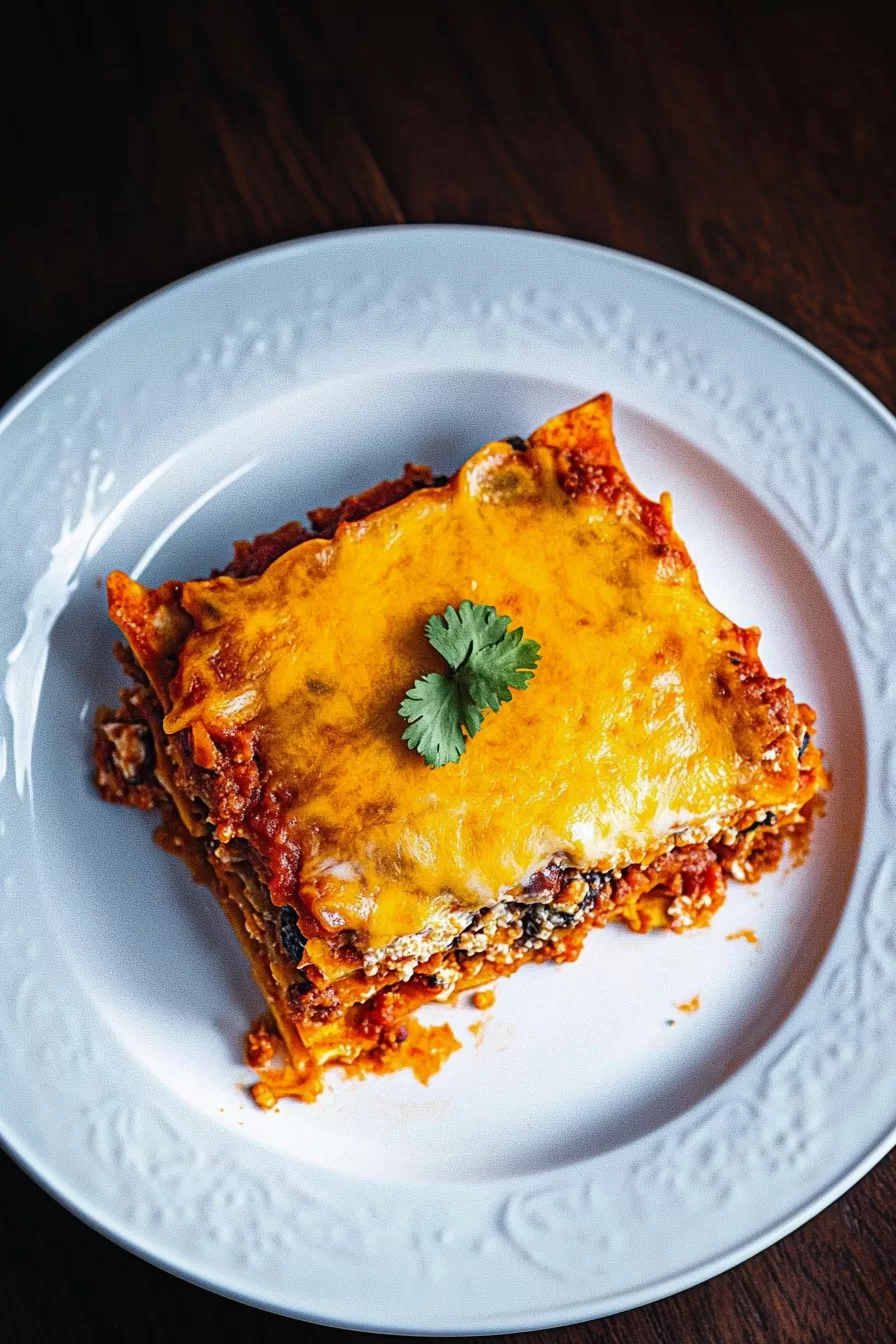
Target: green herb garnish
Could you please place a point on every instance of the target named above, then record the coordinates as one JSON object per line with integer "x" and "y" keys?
{"x": 486, "y": 661}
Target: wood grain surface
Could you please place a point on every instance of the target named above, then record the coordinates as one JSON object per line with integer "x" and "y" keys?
{"x": 752, "y": 147}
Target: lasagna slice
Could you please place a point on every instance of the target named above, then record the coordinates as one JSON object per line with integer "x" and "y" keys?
{"x": 650, "y": 758}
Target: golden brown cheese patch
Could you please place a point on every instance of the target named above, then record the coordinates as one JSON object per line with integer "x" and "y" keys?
{"x": 648, "y": 713}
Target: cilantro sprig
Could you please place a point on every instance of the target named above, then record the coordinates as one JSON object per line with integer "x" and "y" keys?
{"x": 486, "y": 659}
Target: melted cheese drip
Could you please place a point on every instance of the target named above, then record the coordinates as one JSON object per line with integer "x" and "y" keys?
{"x": 621, "y": 737}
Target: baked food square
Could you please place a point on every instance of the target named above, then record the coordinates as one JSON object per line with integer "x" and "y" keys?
{"x": 644, "y": 757}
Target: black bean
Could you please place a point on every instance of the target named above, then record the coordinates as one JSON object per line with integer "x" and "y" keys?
{"x": 533, "y": 923}
{"x": 291, "y": 938}
{"x": 517, "y": 444}
{"x": 768, "y": 820}
{"x": 594, "y": 880}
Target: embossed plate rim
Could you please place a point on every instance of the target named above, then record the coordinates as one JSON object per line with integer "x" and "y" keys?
{"x": 160, "y": 1144}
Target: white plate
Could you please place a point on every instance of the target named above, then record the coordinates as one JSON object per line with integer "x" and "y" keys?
{"x": 582, "y": 1156}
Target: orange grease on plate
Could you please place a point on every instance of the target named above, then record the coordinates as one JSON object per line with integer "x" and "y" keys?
{"x": 691, "y": 1006}
{"x": 482, "y": 999}
{"x": 747, "y": 934}
{"x": 412, "y": 1046}
{"x": 423, "y": 1050}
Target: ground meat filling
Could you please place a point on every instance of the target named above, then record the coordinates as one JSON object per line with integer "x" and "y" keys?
{"x": 125, "y": 758}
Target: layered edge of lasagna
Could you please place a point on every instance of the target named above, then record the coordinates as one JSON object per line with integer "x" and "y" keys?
{"x": 349, "y": 1007}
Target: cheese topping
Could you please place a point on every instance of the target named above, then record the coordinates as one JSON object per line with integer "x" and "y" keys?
{"x": 634, "y": 726}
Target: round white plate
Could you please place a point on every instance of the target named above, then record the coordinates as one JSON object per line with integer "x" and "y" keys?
{"x": 594, "y": 1147}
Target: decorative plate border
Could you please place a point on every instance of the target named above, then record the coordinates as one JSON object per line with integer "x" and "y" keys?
{"x": 178, "y": 1190}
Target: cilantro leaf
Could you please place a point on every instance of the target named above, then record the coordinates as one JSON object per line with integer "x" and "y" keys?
{"x": 433, "y": 707}
{"x": 486, "y": 659}
{"x": 490, "y": 672}
{"x": 459, "y": 634}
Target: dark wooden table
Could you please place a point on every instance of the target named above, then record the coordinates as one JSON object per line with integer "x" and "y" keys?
{"x": 752, "y": 149}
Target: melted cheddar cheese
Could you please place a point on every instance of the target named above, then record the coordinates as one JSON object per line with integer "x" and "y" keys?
{"x": 636, "y": 728}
